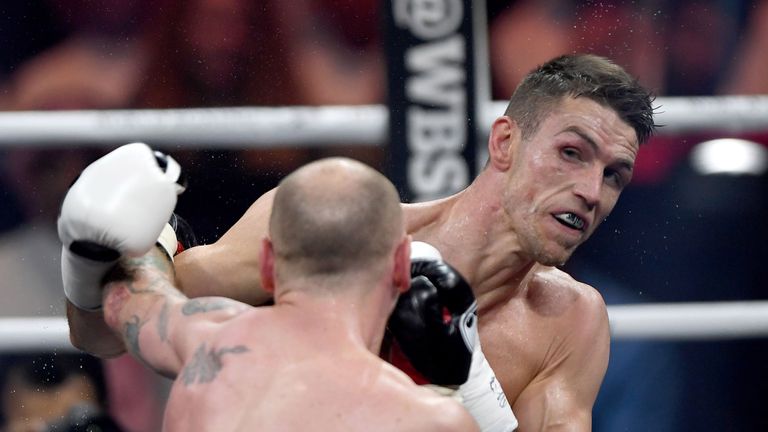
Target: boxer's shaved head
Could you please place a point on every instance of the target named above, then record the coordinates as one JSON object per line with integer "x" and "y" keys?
{"x": 333, "y": 216}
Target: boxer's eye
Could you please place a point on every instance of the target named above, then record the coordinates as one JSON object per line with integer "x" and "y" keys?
{"x": 571, "y": 153}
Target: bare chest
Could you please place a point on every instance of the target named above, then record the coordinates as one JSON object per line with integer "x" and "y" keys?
{"x": 510, "y": 341}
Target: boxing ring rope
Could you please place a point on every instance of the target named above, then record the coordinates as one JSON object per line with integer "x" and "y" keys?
{"x": 652, "y": 321}
{"x": 366, "y": 125}
{"x": 261, "y": 127}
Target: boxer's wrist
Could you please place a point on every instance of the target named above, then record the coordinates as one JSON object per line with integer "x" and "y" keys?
{"x": 168, "y": 242}
{"x": 89, "y": 333}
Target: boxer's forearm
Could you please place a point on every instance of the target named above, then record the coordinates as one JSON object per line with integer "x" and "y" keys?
{"x": 90, "y": 333}
{"x": 212, "y": 270}
{"x": 137, "y": 305}
{"x": 229, "y": 267}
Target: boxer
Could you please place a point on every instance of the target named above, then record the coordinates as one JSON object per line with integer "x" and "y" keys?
{"x": 335, "y": 260}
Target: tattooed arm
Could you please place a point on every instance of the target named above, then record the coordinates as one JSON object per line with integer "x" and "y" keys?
{"x": 158, "y": 324}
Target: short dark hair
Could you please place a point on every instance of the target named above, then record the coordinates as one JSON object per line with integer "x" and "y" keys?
{"x": 578, "y": 75}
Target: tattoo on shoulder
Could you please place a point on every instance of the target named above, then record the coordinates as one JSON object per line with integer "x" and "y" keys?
{"x": 196, "y": 306}
{"x": 206, "y": 364}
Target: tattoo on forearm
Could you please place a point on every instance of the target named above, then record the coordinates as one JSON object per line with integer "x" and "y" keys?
{"x": 127, "y": 268}
{"x": 162, "y": 322}
{"x": 205, "y": 365}
{"x": 150, "y": 282}
{"x": 132, "y": 328}
{"x": 195, "y": 306}
{"x": 150, "y": 260}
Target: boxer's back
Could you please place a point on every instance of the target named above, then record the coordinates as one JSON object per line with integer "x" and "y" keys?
{"x": 296, "y": 377}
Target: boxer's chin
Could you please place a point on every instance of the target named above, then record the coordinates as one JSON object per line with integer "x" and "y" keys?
{"x": 551, "y": 253}
{"x": 554, "y": 260}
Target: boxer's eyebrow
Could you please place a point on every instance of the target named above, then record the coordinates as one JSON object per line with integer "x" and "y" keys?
{"x": 622, "y": 163}
{"x": 583, "y": 135}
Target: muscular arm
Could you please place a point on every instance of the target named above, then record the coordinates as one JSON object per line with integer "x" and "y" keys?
{"x": 89, "y": 332}
{"x": 560, "y": 398}
{"x": 226, "y": 267}
{"x": 157, "y": 324}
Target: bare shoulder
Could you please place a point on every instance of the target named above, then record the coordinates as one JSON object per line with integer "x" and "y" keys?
{"x": 253, "y": 222}
{"x": 556, "y": 292}
{"x": 575, "y": 312}
{"x": 420, "y": 215}
{"x": 571, "y": 359}
{"x": 420, "y": 408}
{"x": 580, "y": 316}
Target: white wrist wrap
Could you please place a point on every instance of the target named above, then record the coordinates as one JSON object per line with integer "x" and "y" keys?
{"x": 168, "y": 241}
{"x": 424, "y": 251}
{"x": 484, "y": 399}
{"x": 82, "y": 279}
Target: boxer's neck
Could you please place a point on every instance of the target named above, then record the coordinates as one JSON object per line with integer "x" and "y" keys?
{"x": 470, "y": 231}
{"x": 347, "y": 318}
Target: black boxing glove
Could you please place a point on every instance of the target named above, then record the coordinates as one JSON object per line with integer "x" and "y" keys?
{"x": 434, "y": 322}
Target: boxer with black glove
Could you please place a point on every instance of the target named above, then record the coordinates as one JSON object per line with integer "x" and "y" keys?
{"x": 435, "y": 325}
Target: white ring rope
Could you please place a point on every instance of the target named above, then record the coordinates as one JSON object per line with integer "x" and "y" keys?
{"x": 367, "y": 125}
{"x": 254, "y": 127}
{"x": 690, "y": 321}
{"x": 657, "y": 321}
{"x": 260, "y": 127}
{"x": 34, "y": 334}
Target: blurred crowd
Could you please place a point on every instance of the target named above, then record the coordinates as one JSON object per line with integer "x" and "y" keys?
{"x": 676, "y": 235}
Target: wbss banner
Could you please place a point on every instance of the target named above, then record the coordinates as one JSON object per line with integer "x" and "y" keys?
{"x": 432, "y": 98}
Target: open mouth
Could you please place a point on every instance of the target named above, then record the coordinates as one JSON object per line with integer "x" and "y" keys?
{"x": 570, "y": 220}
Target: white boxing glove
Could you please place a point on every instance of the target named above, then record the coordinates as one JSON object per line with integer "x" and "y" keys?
{"x": 117, "y": 207}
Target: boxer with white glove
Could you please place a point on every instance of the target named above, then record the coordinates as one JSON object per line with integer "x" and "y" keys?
{"x": 445, "y": 348}
{"x": 118, "y": 206}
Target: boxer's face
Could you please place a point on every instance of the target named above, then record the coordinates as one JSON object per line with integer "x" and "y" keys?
{"x": 566, "y": 178}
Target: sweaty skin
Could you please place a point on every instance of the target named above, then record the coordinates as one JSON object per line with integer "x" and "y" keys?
{"x": 301, "y": 365}
{"x": 310, "y": 361}
{"x": 545, "y": 335}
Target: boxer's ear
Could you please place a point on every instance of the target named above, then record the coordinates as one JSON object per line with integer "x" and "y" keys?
{"x": 402, "y": 273}
{"x": 502, "y": 141}
{"x": 267, "y": 266}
